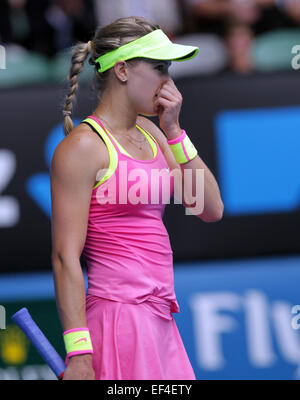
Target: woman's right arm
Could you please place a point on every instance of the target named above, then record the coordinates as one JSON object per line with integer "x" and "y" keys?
{"x": 73, "y": 170}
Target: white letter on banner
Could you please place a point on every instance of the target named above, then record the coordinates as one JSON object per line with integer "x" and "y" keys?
{"x": 287, "y": 337}
{"x": 9, "y": 206}
{"x": 296, "y": 319}
{"x": 2, "y": 57}
{"x": 2, "y": 317}
{"x": 258, "y": 329}
{"x": 210, "y": 324}
{"x": 296, "y": 60}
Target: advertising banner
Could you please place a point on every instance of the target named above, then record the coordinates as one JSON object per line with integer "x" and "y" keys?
{"x": 238, "y": 319}
{"x": 241, "y": 319}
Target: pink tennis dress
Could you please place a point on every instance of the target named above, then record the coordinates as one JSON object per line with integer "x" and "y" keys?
{"x": 130, "y": 296}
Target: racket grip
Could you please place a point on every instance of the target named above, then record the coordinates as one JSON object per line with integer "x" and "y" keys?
{"x": 23, "y": 319}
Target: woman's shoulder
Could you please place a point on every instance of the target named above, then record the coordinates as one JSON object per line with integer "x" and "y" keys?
{"x": 83, "y": 140}
{"x": 81, "y": 149}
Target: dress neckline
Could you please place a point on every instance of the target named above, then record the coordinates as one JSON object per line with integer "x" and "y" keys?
{"x": 123, "y": 152}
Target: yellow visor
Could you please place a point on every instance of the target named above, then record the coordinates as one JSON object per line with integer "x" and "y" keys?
{"x": 155, "y": 45}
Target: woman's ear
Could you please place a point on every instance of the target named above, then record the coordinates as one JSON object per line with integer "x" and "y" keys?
{"x": 121, "y": 70}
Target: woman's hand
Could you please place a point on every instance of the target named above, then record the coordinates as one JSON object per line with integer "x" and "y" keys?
{"x": 168, "y": 104}
{"x": 79, "y": 368}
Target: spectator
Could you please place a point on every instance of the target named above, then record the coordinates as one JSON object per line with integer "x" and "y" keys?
{"x": 14, "y": 22}
{"x": 261, "y": 15}
{"x": 211, "y": 16}
{"x": 5, "y": 28}
{"x": 165, "y": 13}
{"x": 273, "y": 15}
{"x": 70, "y": 20}
{"x": 292, "y": 10}
{"x": 238, "y": 39}
{"x": 46, "y": 26}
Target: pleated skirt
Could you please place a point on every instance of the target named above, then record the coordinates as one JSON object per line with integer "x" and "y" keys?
{"x": 136, "y": 341}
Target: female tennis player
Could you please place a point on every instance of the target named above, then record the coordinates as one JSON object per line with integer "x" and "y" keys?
{"x": 123, "y": 327}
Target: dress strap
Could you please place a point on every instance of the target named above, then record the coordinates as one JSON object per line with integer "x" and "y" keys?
{"x": 117, "y": 145}
{"x": 152, "y": 142}
{"x": 112, "y": 148}
{"x": 148, "y": 133}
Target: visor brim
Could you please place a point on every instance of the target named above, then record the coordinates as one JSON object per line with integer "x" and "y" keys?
{"x": 172, "y": 52}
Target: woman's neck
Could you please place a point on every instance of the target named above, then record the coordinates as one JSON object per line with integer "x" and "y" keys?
{"x": 117, "y": 114}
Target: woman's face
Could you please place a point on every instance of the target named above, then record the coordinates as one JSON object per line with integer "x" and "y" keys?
{"x": 145, "y": 80}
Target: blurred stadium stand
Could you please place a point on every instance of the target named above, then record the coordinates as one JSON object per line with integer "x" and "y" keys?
{"x": 272, "y": 50}
{"x": 24, "y": 68}
{"x": 212, "y": 56}
{"x": 60, "y": 65}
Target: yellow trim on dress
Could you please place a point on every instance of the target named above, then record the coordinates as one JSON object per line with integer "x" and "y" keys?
{"x": 152, "y": 142}
{"x": 113, "y": 154}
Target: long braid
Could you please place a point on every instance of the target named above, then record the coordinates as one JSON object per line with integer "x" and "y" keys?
{"x": 79, "y": 54}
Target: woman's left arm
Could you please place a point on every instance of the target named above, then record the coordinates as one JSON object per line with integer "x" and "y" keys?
{"x": 198, "y": 192}
{"x": 207, "y": 204}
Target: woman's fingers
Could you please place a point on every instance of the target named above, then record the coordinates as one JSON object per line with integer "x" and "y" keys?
{"x": 167, "y": 95}
{"x": 164, "y": 102}
{"x": 168, "y": 91}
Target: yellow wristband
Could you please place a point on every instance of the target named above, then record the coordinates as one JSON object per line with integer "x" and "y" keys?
{"x": 182, "y": 148}
{"x": 77, "y": 341}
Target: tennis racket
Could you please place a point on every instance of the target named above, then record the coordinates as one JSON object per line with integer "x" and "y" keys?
{"x": 23, "y": 319}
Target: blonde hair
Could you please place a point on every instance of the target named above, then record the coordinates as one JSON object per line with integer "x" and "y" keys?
{"x": 107, "y": 38}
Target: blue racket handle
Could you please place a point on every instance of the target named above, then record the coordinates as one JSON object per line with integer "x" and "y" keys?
{"x": 23, "y": 319}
